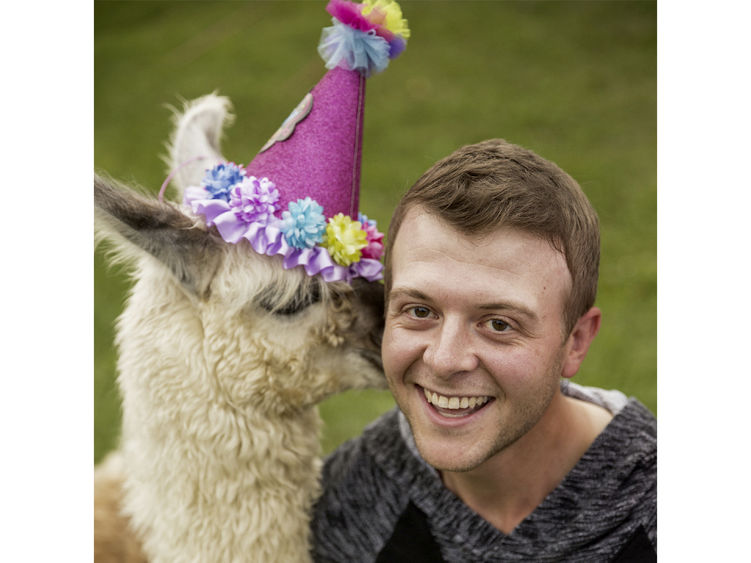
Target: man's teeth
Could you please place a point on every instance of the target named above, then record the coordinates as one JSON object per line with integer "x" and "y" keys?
{"x": 454, "y": 403}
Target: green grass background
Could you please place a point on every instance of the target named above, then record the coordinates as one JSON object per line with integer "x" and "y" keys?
{"x": 574, "y": 81}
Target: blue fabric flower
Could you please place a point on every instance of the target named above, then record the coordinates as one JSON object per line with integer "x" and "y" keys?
{"x": 365, "y": 221}
{"x": 304, "y": 224}
{"x": 219, "y": 180}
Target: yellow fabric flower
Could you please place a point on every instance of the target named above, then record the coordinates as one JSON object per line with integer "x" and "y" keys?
{"x": 344, "y": 239}
{"x": 395, "y": 23}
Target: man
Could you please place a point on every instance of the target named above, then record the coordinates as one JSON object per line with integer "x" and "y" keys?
{"x": 492, "y": 455}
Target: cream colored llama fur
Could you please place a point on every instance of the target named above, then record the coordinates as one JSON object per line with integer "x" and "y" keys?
{"x": 223, "y": 356}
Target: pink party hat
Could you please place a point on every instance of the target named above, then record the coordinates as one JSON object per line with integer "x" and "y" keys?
{"x": 317, "y": 151}
{"x": 299, "y": 196}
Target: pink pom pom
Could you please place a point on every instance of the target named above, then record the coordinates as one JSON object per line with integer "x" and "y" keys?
{"x": 350, "y": 14}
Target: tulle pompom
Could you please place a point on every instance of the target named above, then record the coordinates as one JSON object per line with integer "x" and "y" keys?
{"x": 364, "y": 36}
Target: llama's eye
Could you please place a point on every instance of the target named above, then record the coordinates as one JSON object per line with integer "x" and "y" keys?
{"x": 303, "y": 299}
{"x": 291, "y": 308}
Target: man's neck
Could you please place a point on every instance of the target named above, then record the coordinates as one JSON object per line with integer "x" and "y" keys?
{"x": 507, "y": 488}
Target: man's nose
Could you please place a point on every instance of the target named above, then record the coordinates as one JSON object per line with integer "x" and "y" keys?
{"x": 450, "y": 350}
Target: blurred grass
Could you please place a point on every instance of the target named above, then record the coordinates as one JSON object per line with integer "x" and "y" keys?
{"x": 573, "y": 81}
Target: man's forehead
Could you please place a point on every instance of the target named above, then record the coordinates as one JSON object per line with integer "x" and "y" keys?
{"x": 429, "y": 253}
{"x": 420, "y": 225}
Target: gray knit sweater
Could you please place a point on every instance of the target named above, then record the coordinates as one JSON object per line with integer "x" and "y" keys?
{"x": 380, "y": 497}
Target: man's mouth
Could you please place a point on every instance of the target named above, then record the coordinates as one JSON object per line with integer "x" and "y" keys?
{"x": 455, "y": 406}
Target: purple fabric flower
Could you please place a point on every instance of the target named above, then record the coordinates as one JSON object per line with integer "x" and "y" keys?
{"x": 219, "y": 180}
{"x": 253, "y": 200}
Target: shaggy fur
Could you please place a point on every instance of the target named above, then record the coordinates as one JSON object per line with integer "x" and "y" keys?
{"x": 223, "y": 356}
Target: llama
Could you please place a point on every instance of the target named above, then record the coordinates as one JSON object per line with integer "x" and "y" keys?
{"x": 223, "y": 356}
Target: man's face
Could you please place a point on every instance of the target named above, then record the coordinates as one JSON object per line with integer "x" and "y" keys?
{"x": 473, "y": 344}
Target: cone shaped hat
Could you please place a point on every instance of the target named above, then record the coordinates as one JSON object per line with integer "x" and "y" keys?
{"x": 299, "y": 196}
{"x": 318, "y": 150}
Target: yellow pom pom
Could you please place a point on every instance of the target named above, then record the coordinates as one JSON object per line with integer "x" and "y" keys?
{"x": 344, "y": 239}
{"x": 394, "y": 22}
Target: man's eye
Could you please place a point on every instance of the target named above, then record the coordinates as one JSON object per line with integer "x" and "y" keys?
{"x": 420, "y": 312}
{"x": 499, "y": 326}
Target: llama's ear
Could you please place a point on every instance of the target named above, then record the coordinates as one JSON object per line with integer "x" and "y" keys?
{"x": 133, "y": 223}
{"x": 195, "y": 143}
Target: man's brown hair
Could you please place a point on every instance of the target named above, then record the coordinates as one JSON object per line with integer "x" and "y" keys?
{"x": 483, "y": 187}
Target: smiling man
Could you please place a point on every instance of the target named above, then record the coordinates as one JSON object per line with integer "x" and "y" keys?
{"x": 493, "y": 455}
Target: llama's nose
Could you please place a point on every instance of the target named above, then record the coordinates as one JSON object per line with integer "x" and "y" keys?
{"x": 376, "y": 336}
{"x": 370, "y": 295}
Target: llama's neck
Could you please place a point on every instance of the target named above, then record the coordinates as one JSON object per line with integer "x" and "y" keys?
{"x": 245, "y": 493}
{"x": 205, "y": 479}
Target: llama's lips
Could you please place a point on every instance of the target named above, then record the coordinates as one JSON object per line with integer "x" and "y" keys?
{"x": 455, "y": 406}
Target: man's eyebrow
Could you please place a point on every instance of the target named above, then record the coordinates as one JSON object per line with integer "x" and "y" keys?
{"x": 408, "y": 292}
{"x": 509, "y": 306}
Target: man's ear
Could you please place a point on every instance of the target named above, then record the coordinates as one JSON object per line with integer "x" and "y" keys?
{"x": 578, "y": 342}
{"x": 135, "y": 224}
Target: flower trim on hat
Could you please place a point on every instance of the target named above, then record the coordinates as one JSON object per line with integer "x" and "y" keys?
{"x": 304, "y": 224}
{"x": 221, "y": 178}
{"x": 345, "y": 239}
{"x": 338, "y": 250}
{"x": 364, "y": 36}
{"x": 253, "y": 199}
{"x": 374, "y": 248}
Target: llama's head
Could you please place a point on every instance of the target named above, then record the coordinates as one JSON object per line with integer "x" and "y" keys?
{"x": 217, "y": 322}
